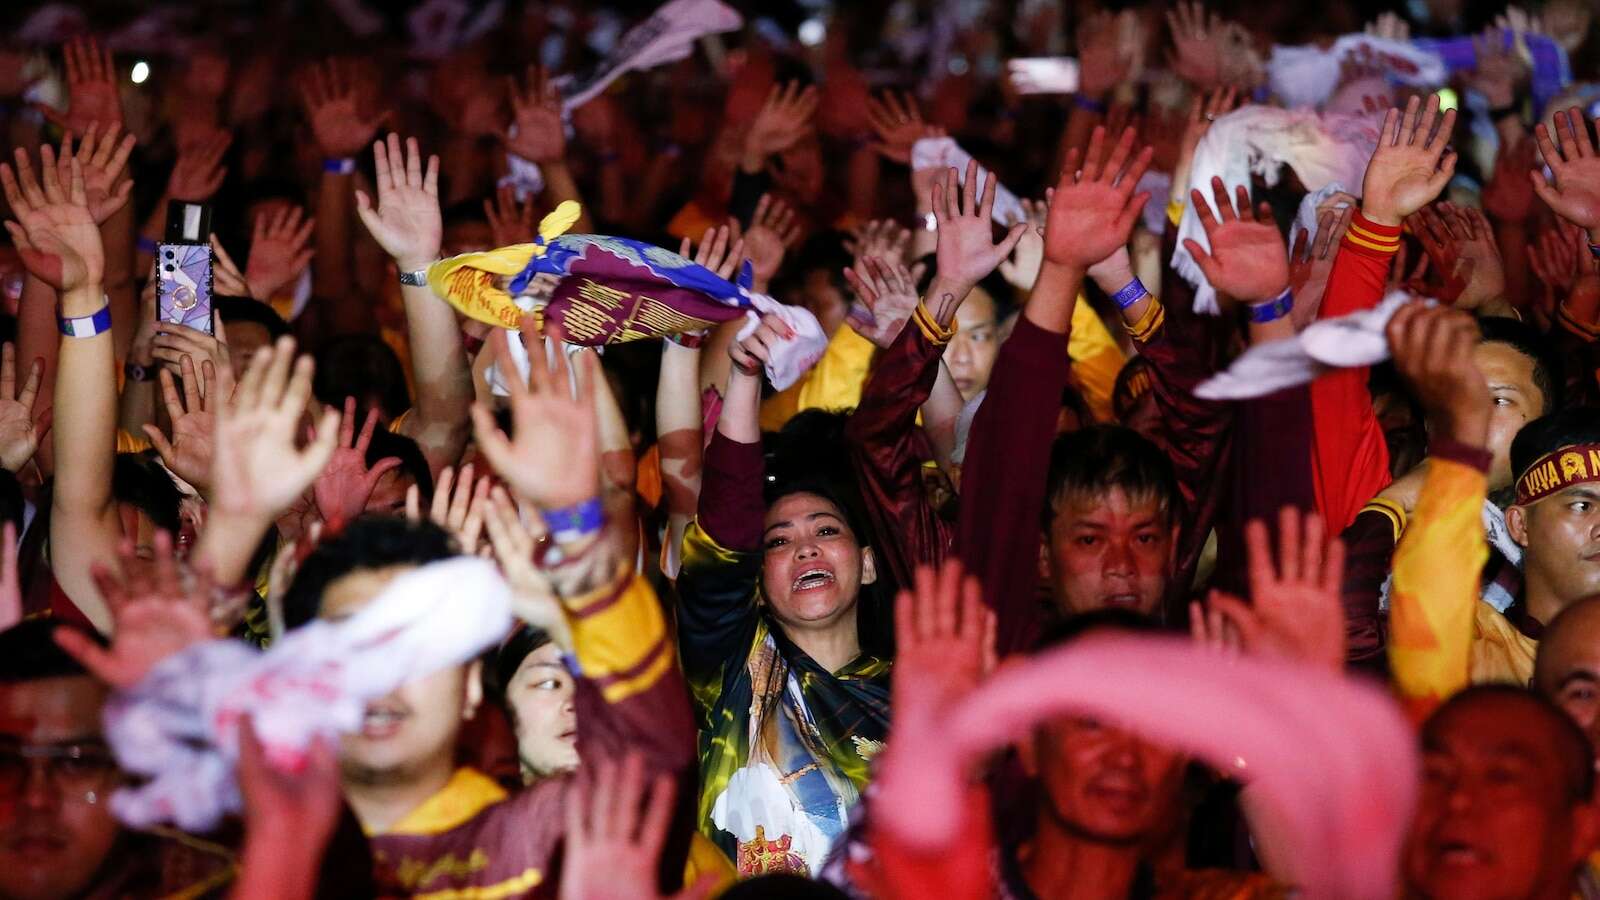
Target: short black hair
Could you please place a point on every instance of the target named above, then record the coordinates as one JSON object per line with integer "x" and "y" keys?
{"x": 28, "y": 651}
{"x": 249, "y": 309}
{"x": 413, "y": 462}
{"x": 138, "y": 480}
{"x": 368, "y": 542}
{"x": 1549, "y": 375}
{"x": 1575, "y": 748}
{"x": 504, "y": 661}
{"x": 359, "y": 365}
{"x": 823, "y": 251}
{"x": 1547, "y": 434}
{"x": 1093, "y": 460}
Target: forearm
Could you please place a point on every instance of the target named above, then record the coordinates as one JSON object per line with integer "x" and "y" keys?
{"x": 940, "y": 414}
{"x": 85, "y": 411}
{"x": 1054, "y": 296}
{"x": 277, "y": 864}
{"x": 862, "y": 177}
{"x": 679, "y": 426}
{"x": 442, "y": 373}
{"x": 1512, "y": 238}
{"x": 617, "y": 461}
{"x": 559, "y": 186}
{"x": 227, "y": 543}
{"x": 741, "y": 407}
{"x": 38, "y": 337}
{"x": 332, "y": 236}
{"x": 117, "y": 237}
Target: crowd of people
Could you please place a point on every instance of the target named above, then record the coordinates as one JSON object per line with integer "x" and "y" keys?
{"x": 876, "y": 450}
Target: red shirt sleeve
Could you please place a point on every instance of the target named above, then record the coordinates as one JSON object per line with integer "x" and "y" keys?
{"x": 1349, "y": 459}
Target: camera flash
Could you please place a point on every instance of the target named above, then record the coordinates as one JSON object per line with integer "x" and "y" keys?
{"x": 141, "y": 71}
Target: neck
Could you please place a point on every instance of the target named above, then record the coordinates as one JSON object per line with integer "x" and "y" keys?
{"x": 382, "y": 799}
{"x": 833, "y": 646}
{"x": 1060, "y": 864}
{"x": 1539, "y": 595}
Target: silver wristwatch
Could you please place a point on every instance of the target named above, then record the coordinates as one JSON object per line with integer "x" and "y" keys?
{"x": 419, "y": 278}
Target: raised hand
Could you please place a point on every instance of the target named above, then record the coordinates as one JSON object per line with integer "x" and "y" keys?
{"x": 1093, "y": 208}
{"x": 459, "y": 505}
{"x": 755, "y": 351}
{"x": 1247, "y": 260}
{"x": 257, "y": 470}
{"x": 346, "y": 483}
{"x": 966, "y": 250}
{"x": 886, "y": 295}
{"x": 782, "y": 121}
{"x": 553, "y": 460}
{"x": 174, "y": 342}
{"x": 897, "y": 121}
{"x": 883, "y": 238}
{"x": 533, "y": 597}
{"x": 1202, "y": 112}
{"x": 1296, "y": 611}
{"x": 773, "y": 229}
{"x": 279, "y": 250}
{"x": 1197, "y": 53}
{"x": 20, "y": 430}
{"x": 104, "y": 160}
{"x": 944, "y": 638}
{"x": 159, "y": 606}
{"x": 613, "y": 851}
{"x": 226, "y": 278}
{"x": 283, "y": 809}
{"x": 1497, "y": 71}
{"x": 1556, "y": 257}
{"x": 510, "y": 222}
{"x": 198, "y": 172}
{"x": 333, "y": 107}
{"x": 715, "y": 252}
{"x": 406, "y": 222}
{"x": 54, "y": 232}
{"x": 1475, "y": 237}
{"x": 1433, "y": 351}
{"x": 1311, "y": 261}
{"x": 188, "y": 454}
{"x": 92, "y": 98}
{"x": 1508, "y": 196}
{"x": 539, "y": 135}
{"x": 1022, "y": 269}
{"x": 1412, "y": 164}
{"x": 1101, "y": 62}
{"x": 1574, "y": 164}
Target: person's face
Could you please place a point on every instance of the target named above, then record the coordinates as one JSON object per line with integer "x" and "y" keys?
{"x": 245, "y": 339}
{"x": 1568, "y": 670}
{"x": 825, "y": 301}
{"x": 1497, "y": 817}
{"x": 802, "y": 171}
{"x": 1516, "y": 400}
{"x": 388, "y": 496}
{"x": 1562, "y": 535}
{"x": 412, "y": 731}
{"x": 1110, "y": 551}
{"x": 970, "y": 354}
{"x": 813, "y": 566}
{"x": 1101, "y": 782}
{"x": 541, "y": 699}
{"x": 56, "y": 827}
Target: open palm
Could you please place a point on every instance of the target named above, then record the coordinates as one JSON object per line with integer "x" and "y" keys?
{"x": 1247, "y": 260}
{"x": 54, "y": 232}
{"x": 1093, "y": 209}
{"x": 1575, "y": 165}
{"x": 406, "y": 222}
{"x": 1412, "y": 163}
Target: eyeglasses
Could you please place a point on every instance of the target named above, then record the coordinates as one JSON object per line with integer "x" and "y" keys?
{"x": 76, "y": 768}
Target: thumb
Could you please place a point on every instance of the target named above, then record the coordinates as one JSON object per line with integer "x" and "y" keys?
{"x": 1447, "y": 170}
{"x": 1208, "y": 266}
{"x": 1009, "y": 242}
{"x": 384, "y": 466}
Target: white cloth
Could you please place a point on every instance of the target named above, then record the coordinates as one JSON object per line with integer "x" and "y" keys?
{"x": 1343, "y": 342}
{"x": 179, "y": 727}
{"x": 1306, "y": 216}
{"x": 1159, "y": 184}
{"x": 944, "y": 152}
{"x": 1258, "y": 140}
{"x": 1307, "y": 75}
{"x": 667, "y": 36}
{"x": 1495, "y": 531}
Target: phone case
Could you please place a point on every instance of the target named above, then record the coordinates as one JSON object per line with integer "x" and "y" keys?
{"x": 183, "y": 294}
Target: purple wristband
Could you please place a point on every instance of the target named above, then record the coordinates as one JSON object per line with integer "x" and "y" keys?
{"x": 345, "y": 166}
{"x": 1088, "y": 103}
{"x": 1130, "y": 294}
{"x": 1274, "y": 309}
{"x": 575, "y": 522}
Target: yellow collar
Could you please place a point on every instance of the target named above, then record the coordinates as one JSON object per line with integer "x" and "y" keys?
{"x": 467, "y": 793}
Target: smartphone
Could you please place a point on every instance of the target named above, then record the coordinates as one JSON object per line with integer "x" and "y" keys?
{"x": 183, "y": 267}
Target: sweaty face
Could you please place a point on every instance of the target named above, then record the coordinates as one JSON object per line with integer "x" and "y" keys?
{"x": 1562, "y": 535}
{"x": 412, "y": 731}
{"x": 1110, "y": 551}
{"x": 1496, "y": 817}
{"x": 541, "y": 698}
{"x": 1104, "y": 783}
{"x": 813, "y": 567}
{"x": 970, "y": 354}
{"x": 1516, "y": 401}
{"x": 56, "y": 777}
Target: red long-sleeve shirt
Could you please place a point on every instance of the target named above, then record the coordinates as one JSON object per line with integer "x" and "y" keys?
{"x": 1350, "y": 461}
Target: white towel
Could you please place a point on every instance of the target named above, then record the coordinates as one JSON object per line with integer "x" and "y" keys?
{"x": 945, "y": 153}
{"x": 179, "y": 727}
{"x": 1307, "y": 75}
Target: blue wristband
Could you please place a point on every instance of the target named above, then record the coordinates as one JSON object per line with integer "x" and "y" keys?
{"x": 86, "y": 326}
{"x": 1594, "y": 250}
{"x": 1088, "y": 103}
{"x": 345, "y": 166}
{"x": 1274, "y": 309}
{"x": 145, "y": 245}
{"x": 575, "y": 522}
{"x": 1132, "y": 293}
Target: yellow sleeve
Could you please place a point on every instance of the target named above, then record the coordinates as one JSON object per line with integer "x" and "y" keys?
{"x": 128, "y": 442}
{"x": 619, "y": 635}
{"x": 1435, "y": 591}
{"x": 1096, "y": 359}
{"x": 835, "y": 382}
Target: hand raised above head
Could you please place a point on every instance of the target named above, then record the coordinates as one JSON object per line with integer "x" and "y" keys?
{"x": 1412, "y": 164}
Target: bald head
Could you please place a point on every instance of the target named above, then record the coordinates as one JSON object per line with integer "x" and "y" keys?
{"x": 1567, "y": 670}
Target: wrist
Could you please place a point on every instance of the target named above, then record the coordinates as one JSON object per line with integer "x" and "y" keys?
{"x": 1467, "y": 427}
{"x": 413, "y": 263}
{"x": 943, "y": 298}
{"x": 1381, "y": 216}
{"x": 84, "y": 300}
{"x": 1111, "y": 277}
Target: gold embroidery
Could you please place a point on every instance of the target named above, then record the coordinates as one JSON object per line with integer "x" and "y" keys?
{"x": 529, "y": 879}
{"x": 759, "y": 856}
{"x": 414, "y": 873}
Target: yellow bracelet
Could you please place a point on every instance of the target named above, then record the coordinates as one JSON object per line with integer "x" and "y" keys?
{"x": 1154, "y": 317}
{"x": 936, "y": 334}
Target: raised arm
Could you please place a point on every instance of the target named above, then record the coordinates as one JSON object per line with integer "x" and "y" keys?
{"x": 59, "y": 242}
{"x": 406, "y": 223}
{"x": 341, "y": 131}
